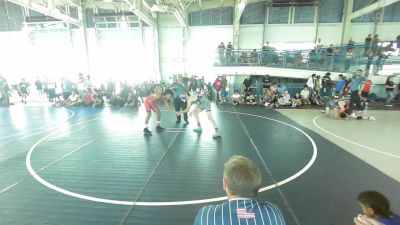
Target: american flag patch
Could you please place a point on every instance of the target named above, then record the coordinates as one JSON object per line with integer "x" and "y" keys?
{"x": 244, "y": 213}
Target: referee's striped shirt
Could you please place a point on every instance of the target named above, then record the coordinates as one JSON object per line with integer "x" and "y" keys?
{"x": 240, "y": 212}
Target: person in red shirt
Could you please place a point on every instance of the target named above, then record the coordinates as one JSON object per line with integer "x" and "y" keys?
{"x": 217, "y": 87}
{"x": 365, "y": 89}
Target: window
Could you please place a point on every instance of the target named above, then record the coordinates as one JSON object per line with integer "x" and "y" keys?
{"x": 304, "y": 14}
{"x": 278, "y": 15}
{"x": 331, "y": 11}
{"x": 217, "y": 16}
{"x": 391, "y": 13}
{"x": 253, "y": 13}
{"x": 359, "y": 4}
{"x": 11, "y": 16}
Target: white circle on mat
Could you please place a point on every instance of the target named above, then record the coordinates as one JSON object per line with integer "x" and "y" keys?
{"x": 169, "y": 203}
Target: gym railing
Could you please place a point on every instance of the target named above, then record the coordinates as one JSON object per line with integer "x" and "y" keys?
{"x": 374, "y": 58}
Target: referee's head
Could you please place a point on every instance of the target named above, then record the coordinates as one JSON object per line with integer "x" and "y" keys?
{"x": 242, "y": 178}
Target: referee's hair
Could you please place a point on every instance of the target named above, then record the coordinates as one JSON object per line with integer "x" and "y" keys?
{"x": 242, "y": 176}
{"x": 168, "y": 91}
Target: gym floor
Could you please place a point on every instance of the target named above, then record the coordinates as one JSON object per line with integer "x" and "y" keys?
{"x": 83, "y": 166}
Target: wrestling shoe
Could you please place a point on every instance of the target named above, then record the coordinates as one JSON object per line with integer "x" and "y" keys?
{"x": 159, "y": 129}
{"x": 186, "y": 123}
{"x": 371, "y": 118}
{"x": 178, "y": 122}
{"x": 217, "y": 134}
{"x": 146, "y": 131}
{"x": 198, "y": 130}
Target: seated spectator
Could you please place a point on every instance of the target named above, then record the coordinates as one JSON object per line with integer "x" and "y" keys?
{"x": 133, "y": 100}
{"x": 305, "y": 95}
{"x": 281, "y": 89}
{"x": 98, "y": 101}
{"x": 73, "y": 99}
{"x": 236, "y": 98}
{"x": 268, "y": 98}
{"x": 241, "y": 182}
{"x": 376, "y": 209}
{"x": 250, "y": 99}
{"x": 89, "y": 97}
{"x": 285, "y": 99}
{"x": 296, "y": 100}
{"x": 116, "y": 101}
{"x": 316, "y": 99}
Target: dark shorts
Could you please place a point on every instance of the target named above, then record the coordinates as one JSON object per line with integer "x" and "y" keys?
{"x": 364, "y": 94}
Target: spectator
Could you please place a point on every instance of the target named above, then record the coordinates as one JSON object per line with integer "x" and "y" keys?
{"x": 221, "y": 52}
{"x": 305, "y": 95}
{"x": 229, "y": 49}
{"x": 250, "y": 99}
{"x": 236, "y": 98}
{"x": 268, "y": 98}
{"x": 365, "y": 89}
{"x": 266, "y": 83}
{"x": 241, "y": 182}
{"x": 311, "y": 82}
{"x": 296, "y": 100}
{"x": 247, "y": 83}
{"x": 73, "y": 99}
{"x": 316, "y": 99}
{"x": 201, "y": 83}
{"x": 350, "y": 45}
{"x": 285, "y": 99}
{"x": 317, "y": 86}
{"x": 67, "y": 87}
{"x": 354, "y": 87}
{"x": 98, "y": 101}
{"x": 340, "y": 84}
{"x": 367, "y": 45}
{"x": 281, "y": 89}
{"x": 389, "y": 85}
{"x": 398, "y": 43}
{"x": 51, "y": 86}
{"x": 89, "y": 97}
{"x": 23, "y": 90}
{"x": 39, "y": 87}
{"x": 326, "y": 85}
{"x": 180, "y": 99}
{"x": 375, "y": 42}
{"x": 376, "y": 209}
{"x": 253, "y": 56}
{"x": 81, "y": 85}
{"x": 4, "y": 89}
{"x": 218, "y": 87}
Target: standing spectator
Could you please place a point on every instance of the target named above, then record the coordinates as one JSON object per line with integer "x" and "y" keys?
{"x": 221, "y": 52}
{"x": 247, "y": 84}
{"x": 39, "y": 87}
{"x": 180, "y": 99}
{"x": 340, "y": 84}
{"x": 365, "y": 89}
{"x": 229, "y": 49}
{"x": 398, "y": 43}
{"x": 311, "y": 82}
{"x": 266, "y": 83}
{"x": 201, "y": 83}
{"x": 218, "y": 87}
{"x": 317, "y": 86}
{"x": 326, "y": 87}
{"x": 376, "y": 209}
{"x": 51, "y": 89}
{"x": 350, "y": 45}
{"x": 389, "y": 85}
{"x": 241, "y": 182}
{"x": 23, "y": 89}
{"x": 67, "y": 87}
{"x": 367, "y": 45}
{"x": 375, "y": 42}
{"x": 81, "y": 85}
{"x": 253, "y": 57}
{"x": 4, "y": 89}
{"x": 354, "y": 87}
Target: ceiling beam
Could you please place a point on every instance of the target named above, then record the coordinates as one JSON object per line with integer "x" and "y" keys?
{"x": 142, "y": 12}
{"x": 374, "y": 6}
{"x": 53, "y": 12}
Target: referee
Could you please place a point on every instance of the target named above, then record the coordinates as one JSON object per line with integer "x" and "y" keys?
{"x": 242, "y": 180}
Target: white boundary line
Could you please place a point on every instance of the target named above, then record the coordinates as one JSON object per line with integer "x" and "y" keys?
{"x": 40, "y": 128}
{"x": 352, "y": 142}
{"x": 171, "y": 203}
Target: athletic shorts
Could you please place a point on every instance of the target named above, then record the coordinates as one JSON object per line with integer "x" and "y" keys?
{"x": 364, "y": 94}
{"x": 204, "y": 104}
{"x": 150, "y": 107}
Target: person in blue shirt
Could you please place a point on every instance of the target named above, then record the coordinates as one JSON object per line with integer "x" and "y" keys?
{"x": 376, "y": 209}
{"x": 354, "y": 87}
{"x": 241, "y": 182}
{"x": 180, "y": 99}
{"x": 340, "y": 84}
